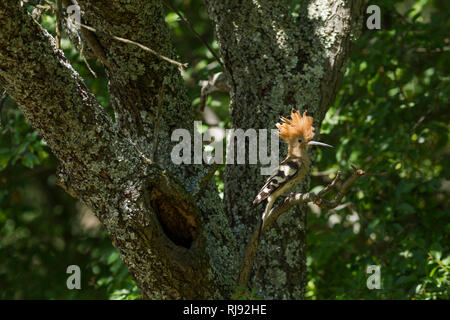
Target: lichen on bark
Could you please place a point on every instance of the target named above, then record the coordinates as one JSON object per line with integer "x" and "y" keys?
{"x": 177, "y": 243}
{"x": 274, "y": 62}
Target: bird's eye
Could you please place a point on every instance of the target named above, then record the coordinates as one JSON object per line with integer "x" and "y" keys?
{"x": 300, "y": 140}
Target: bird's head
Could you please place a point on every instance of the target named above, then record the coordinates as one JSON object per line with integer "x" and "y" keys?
{"x": 298, "y": 133}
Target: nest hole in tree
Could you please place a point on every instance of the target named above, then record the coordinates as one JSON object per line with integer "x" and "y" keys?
{"x": 174, "y": 216}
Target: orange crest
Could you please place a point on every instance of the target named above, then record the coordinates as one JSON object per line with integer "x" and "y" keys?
{"x": 299, "y": 125}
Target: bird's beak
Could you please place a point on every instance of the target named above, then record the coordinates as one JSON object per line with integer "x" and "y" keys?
{"x": 316, "y": 143}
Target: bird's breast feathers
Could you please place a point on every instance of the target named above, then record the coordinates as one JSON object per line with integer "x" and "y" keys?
{"x": 289, "y": 172}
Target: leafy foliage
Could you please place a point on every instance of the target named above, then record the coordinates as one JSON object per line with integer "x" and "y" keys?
{"x": 391, "y": 116}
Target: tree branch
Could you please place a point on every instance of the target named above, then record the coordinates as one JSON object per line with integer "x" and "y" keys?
{"x": 289, "y": 202}
{"x": 50, "y": 92}
{"x": 56, "y": 103}
{"x": 275, "y": 62}
{"x": 186, "y": 22}
{"x": 144, "y": 207}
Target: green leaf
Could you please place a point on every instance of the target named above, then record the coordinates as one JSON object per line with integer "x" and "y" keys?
{"x": 406, "y": 208}
{"x": 29, "y": 160}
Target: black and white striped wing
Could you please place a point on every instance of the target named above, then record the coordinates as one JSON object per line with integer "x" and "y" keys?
{"x": 286, "y": 171}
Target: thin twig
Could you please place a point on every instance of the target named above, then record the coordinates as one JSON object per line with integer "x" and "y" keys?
{"x": 186, "y": 22}
{"x": 322, "y": 173}
{"x": 48, "y": 2}
{"x": 180, "y": 65}
{"x": 158, "y": 116}
{"x": 289, "y": 202}
{"x": 93, "y": 43}
{"x": 43, "y": 9}
{"x": 58, "y": 23}
{"x": 87, "y": 65}
{"x": 331, "y": 185}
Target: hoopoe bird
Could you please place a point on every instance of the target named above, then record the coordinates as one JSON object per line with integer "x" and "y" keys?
{"x": 297, "y": 133}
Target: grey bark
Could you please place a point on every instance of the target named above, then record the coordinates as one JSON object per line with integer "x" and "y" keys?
{"x": 177, "y": 242}
{"x": 276, "y": 61}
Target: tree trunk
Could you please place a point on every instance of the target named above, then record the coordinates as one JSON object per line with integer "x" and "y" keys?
{"x": 275, "y": 62}
{"x": 167, "y": 221}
